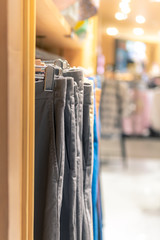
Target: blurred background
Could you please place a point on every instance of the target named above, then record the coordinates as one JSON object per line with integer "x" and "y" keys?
{"x": 120, "y": 47}
{"x": 129, "y": 48}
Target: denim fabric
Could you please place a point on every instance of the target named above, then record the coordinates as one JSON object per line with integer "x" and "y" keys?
{"x": 49, "y": 159}
{"x": 100, "y": 217}
{"x": 68, "y": 212}
{"x": 65, "y": 190}
{"x": 95, "y": 172}
{"x": 95, "y": 179}
{"x": 99, "y": 203}
{"x": 87, "y": 163}
{"x": 78, "y": 76}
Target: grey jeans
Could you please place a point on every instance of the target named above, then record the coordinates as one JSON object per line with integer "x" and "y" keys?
{"x": 87, "y": 163}
{"x": 68, "y": 212}
{"x": 49, "y": 159}
{"x": 78, "y": 76}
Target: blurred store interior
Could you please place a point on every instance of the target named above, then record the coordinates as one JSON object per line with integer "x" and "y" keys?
{"x": 116, "y": 43}
{"x": 129, "y": 47}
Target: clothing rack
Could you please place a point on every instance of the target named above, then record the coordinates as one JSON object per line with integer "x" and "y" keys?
{"x": 64, "y": 142}
{"x": 38, "y": 24}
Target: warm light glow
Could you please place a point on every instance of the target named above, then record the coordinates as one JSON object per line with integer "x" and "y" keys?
{"x": 120, "y": 16}
{"x": 154, "y": 0}
{"x": 124, "y": 6}
{"x": 112, "y": 31}
{"x": 125, "y": 1}
{"x": 140, "y": 19}
{"x": 138, "y": 31}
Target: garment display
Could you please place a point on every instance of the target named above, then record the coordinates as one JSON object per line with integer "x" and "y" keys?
{"x": 111, "y": 108}
{"x": 143, "y": 117}
{"x": 71, "y": 14}
{"x": 155, "y": 112}
{"x": 99, "y": 202}
{"x": 81, "y": 28}
{"x": 78, "y": 76}
{"x": 68, "y": 218}
{"x": 87, "y": 162}
{"x": 64, "y": 153}
{"x": 99, "y": 207}
{"x": 115, "y": 106}
{"x": 88, "y": 8}
{"x": 49, "y": 159}
{"x": 95, "y": 177}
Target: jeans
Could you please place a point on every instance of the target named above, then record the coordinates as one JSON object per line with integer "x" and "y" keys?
{"x": 49, "y": 159}
{"x": 68, "y": 212}
{"x": 77, "y": 74}
{"x": 87, "y": 163}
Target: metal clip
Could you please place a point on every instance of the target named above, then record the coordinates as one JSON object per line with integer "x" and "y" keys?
{"x": 51, "y": 73}
{"x": 62, "y": 63}
{"x": 49, "y": 78}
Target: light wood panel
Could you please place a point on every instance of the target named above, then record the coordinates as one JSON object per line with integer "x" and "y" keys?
{"x": 90, "y": 46}
{"x": 74, "y": 57}
{"x": 15, "y": 55}
{"x": 28, "y": 120}
{"x": 3, "y": 123}
{"x": 17, "y": 45}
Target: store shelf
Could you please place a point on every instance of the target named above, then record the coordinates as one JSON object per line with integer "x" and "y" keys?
{"x": 51, "y": 27}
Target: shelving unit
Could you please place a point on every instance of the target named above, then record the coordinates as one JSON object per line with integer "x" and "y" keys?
{"x": 53, "y": 34}
{"x": 53, "y": 27}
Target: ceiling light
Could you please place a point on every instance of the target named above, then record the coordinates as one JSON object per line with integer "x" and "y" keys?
{"x": 112, "y": 31}
{"x": 138, "y": 31}
{"x": 124, "y": 7}
{"x": 140, "y": 19}
{"x": 120, "y": 16}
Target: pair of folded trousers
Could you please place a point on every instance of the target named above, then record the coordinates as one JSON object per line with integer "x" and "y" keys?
{"x": 77, "y": 75}
{"x": 68, "y": 211}
{"x": 82, "y": 222}
{"x": 49, "y": 159}
{"x": 87, "y": 232}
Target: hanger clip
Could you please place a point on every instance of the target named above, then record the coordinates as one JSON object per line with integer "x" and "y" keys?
{"x": 63, "y": 64}
{"x": 49, "y": 78}
{"x": 51, "y": 72}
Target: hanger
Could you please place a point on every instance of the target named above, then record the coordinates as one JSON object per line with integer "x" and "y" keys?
{"x": 49, "y": 78}
{"x": 51, "y": 73}
{"x": 48, "y": 70}
{"x": 39, "y": 69}
{"x": 62, "y": 63}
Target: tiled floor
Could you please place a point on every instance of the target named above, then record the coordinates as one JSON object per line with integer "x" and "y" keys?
{"x": 131, "y": 200}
